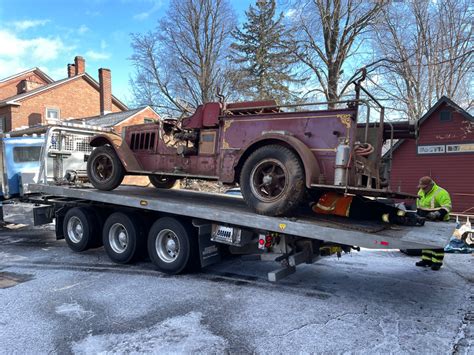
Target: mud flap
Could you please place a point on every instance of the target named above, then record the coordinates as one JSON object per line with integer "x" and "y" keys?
{"x": 209, "y": 252}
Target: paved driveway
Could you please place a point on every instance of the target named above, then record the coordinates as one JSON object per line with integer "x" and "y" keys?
{"x": 54, "y": 300}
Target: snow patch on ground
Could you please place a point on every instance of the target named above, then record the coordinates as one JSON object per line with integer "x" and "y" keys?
{"x": 74, "y": 311}
{"x": 183, "y": 334}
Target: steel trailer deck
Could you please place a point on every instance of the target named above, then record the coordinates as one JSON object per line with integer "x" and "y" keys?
{"x": 223, "y": 209}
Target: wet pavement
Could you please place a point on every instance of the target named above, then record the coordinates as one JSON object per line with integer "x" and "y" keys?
{"x": 55, "y": 301}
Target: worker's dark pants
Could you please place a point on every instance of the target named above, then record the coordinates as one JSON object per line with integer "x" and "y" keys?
{"x": 433, "y": 256}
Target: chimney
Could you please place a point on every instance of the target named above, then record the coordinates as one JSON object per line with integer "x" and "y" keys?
{"x": 105, "y": 82}
{"x": 80, "y": 64}
{"x": 71, "y": 70}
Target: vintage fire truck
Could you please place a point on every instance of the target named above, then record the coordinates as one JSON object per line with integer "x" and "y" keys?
{"x": 274, "y": 152}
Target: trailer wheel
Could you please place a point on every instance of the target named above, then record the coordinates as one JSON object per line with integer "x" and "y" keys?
{"x": 104, "y": 168}
{"x": 162, "y": 181}
{"x": 272, "y": 180}
{"x": 123, "y": 237}
{"x": 81, "y": 229}
{"x": 172, "y": 247}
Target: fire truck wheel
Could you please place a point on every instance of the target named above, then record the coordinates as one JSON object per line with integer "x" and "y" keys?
{"x": 162, "y": 181}
{"x": 123, "y": 237}
{"x": 104, "y": 168}
{"x": 272, "y": 180}
{"x": 81, "y": 229}
{"x": 172, "y": 246}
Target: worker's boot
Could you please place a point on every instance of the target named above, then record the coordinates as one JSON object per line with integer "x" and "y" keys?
{"x": 436, "y": 266}
{"x": 423, "y": 263}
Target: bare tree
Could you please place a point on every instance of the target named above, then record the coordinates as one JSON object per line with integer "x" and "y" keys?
{"x": 182, "y": 63}
{"x": 429, "y": 46}
{"x": 328, "y": 33}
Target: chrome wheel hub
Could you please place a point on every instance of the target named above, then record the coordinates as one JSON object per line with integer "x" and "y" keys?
{"x": 118, "y": 238}
{"x": 75, "y": 229}
{"x": 167, "y": 245}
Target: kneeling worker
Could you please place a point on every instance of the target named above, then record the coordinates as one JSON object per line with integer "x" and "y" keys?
{"x": 433, "y": 203}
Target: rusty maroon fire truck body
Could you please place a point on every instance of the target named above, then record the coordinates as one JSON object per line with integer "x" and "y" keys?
{"x": 274, "y": 152}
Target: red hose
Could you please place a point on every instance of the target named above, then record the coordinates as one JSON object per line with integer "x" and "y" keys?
{"x": 363, "y": 149}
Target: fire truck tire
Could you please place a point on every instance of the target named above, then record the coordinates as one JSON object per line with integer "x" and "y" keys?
{"x": 81, "y": 229}
{"x": 162, "y": 181}
{"x": 123, "y": 237}
{"x": 272, "y": 180}
{"x": 104, "y": 168}
{"x": 172, "y": 246}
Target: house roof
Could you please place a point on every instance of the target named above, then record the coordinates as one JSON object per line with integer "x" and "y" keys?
{"x": 37, "y": 70}
{"x": 15, "y": 100}
{"x": 449, "y": 102}
{"x": 442, "y": 100}
{"x": 110, "y": 119}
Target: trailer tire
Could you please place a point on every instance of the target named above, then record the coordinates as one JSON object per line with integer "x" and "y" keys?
{"x": 104, "y": 168}
{"x": 123, "y": 237}
{"x": 262, "y": 176}
{"x": 172, "y": 246}
{"x": 162, "y": 181}
{"x": 81, "y": 229}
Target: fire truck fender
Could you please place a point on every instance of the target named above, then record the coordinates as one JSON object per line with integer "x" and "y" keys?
{"x": 122, "y": 150}
{"x": 310, "y": 163}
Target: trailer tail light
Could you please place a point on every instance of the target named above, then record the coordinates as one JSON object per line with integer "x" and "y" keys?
{"x": 265, "y": 241}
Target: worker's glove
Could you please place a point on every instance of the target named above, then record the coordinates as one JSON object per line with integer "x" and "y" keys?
{"x": 433, "y": 216}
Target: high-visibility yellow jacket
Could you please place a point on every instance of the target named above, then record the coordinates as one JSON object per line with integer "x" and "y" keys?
{"x": 435, "y": 200}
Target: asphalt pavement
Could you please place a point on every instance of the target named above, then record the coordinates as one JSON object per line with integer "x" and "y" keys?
{"x": 55, "y": 301}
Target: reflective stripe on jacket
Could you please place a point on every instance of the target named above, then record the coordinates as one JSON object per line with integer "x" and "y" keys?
{"x": 435, "y": 200}
{"x": 333, "y": 203}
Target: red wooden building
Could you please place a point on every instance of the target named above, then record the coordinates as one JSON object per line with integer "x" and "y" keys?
{"x": 444, "y": 150}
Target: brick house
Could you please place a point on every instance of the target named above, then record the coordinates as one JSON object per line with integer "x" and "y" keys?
{"x": 32, "y": 98}
{"x": 117, "y": 120}
{"x": 444, "y": 150}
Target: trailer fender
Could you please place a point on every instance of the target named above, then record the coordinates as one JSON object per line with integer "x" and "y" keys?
{"x": 123, "y": 151}
{"x": 310, "y": 163}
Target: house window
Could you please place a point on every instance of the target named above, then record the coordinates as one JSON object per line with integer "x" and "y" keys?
{"x": 52, "y": 114}
{"x": 445, "y": 116}
{"x": 2, "y": 124}
{"x": 148, "y": 120}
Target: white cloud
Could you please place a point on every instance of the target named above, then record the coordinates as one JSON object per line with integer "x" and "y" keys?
{"x": 103, "y": 44}
{"x": 40, "y": 48}
{"x": 290, "y": 13}
{"x": 18, "y": 54}
{"x": 83, "y": 29}
{"x": 157, "y": 4}
{"x": 56, "y": 73}
{"x": 94, "y": 55}
{"x": 26, "y": 24}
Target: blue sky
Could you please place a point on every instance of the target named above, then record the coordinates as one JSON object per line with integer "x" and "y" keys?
{"x": 49, "y": 34}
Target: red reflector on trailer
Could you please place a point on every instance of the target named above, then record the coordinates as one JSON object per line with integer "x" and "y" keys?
{"x": 384, "y": 243}
{"x": 261, "y": 241}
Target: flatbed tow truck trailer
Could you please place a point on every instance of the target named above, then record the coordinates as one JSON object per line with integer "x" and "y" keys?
{"x": 185, "y": 230}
